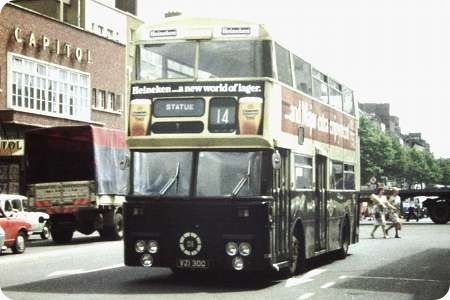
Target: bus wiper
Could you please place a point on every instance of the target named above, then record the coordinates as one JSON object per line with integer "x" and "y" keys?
{"x": 242, "y": 182}
{"x": 171, "y": 181}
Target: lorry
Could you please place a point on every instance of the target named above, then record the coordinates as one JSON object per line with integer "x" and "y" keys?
{"x": 437, "y": 202}
{"x": 79, "y": 176}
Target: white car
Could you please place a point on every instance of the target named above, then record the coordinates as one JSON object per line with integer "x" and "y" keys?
{"x": 2, "y": 239}
{"x": 14, "y": 206}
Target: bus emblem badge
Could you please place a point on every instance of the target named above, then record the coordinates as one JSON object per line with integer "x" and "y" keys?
{"x": 190, "y": 243}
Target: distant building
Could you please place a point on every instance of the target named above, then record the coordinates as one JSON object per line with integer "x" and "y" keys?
{"x": 380, "y": 114}
{"x": 414, "y": 140}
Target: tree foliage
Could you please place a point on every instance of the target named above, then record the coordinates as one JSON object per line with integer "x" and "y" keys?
{"x": 382, "y": 155}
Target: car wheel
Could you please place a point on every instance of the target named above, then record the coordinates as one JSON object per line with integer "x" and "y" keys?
{"x": 45, "y": 233}
{"x": 19, "y": 245}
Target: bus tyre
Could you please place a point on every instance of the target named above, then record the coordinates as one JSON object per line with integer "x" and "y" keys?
{"x": 296, "y": 259}
{"x": 440, "y": 213}
{"x": 344, "y": 241}
{"x": 19, "y": 244}
{"x": 62, "y": 236}
{"x": 114, "y": 232}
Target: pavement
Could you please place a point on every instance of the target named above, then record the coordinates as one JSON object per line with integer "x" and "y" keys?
{"x": 369, "y": 221}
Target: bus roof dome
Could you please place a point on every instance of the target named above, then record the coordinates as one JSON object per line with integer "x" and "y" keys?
{"x": 184, "y": 28}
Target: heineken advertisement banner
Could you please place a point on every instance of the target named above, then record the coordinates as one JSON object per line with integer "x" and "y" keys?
{"x": 178, "y": 89}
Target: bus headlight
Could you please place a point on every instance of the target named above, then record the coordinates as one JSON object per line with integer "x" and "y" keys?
{"x": 147, "y": 260}
{"x": 153, "y": 246}
{"x": 238, "y": 263}
{"x": 231, "y": 248}
{"x": 245, "y": 249}
{"x": 139, "y": 246}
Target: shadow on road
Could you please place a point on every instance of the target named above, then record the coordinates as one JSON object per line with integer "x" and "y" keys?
{"x": 421, "y": 275}
{"x": 77, "y": 240}
{"x": 128, "y": 280}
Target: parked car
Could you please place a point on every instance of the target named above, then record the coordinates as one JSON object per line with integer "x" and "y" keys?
{"x": 2, "y": 239}
{"x": 17, "y": 232}
{"x": 14, "y": 206}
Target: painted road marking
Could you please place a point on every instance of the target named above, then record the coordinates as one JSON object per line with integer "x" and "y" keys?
{"x": 306, "y": 296}
{"x": 81, "y": 271}
{"x": 2, "y": 296}
{"x": 327, "y": 285}
{"x": 393, "y": 278}
{"x": 305, "y": 278}
{"x": 17, "y": 259}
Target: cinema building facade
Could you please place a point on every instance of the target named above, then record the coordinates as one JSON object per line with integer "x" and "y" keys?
{"x": 53, "y": 74}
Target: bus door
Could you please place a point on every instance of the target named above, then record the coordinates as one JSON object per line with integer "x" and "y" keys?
{"x": 281, "y": 212}
{"x": 321, "y": 203}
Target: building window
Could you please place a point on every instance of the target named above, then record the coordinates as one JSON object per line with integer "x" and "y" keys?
{"x": 94, "y": 98}
{"x": 106, "y": 101}
{"x": 101, "y": 97}
{"x": 110, "y": 101}
{"x": 118, "y": 103}
{"x": 47, "y": 89}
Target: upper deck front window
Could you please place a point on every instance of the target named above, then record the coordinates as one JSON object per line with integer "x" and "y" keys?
{"x": 216, "y": 59}
{"x": 164, "y": 61}
{"x": 225, "y": 59}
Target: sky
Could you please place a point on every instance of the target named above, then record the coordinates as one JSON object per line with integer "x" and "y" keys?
{"x": 387, "y": 51}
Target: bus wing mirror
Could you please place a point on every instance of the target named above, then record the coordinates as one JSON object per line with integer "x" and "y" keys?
{"x": 276, "y": 160}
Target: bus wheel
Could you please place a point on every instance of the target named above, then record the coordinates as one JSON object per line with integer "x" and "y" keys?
{"x": 296, "y": 260}
{"x": 294, "y": 257}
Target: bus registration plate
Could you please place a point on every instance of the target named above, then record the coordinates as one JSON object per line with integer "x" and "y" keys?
{"x": 192, "y": 263}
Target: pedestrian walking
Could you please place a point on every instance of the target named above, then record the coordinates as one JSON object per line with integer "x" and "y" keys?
{"x": 393, "y": 208}
{"x": 379, "y": 206}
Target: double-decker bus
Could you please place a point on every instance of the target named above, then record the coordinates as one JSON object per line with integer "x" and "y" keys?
{"x": 243, "y": 155}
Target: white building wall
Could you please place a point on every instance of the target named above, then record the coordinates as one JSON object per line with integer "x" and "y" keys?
{"x": 106, "y": 21}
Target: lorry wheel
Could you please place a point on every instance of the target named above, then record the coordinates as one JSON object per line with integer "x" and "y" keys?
{"x": 19, "y": 244}
{"x": 440, "y": 213}
{"x": 62, "y": 236}
{"x": 114, "y": 232}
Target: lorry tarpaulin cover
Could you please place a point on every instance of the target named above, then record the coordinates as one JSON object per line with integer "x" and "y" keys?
{"x": 74, "y": 153}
